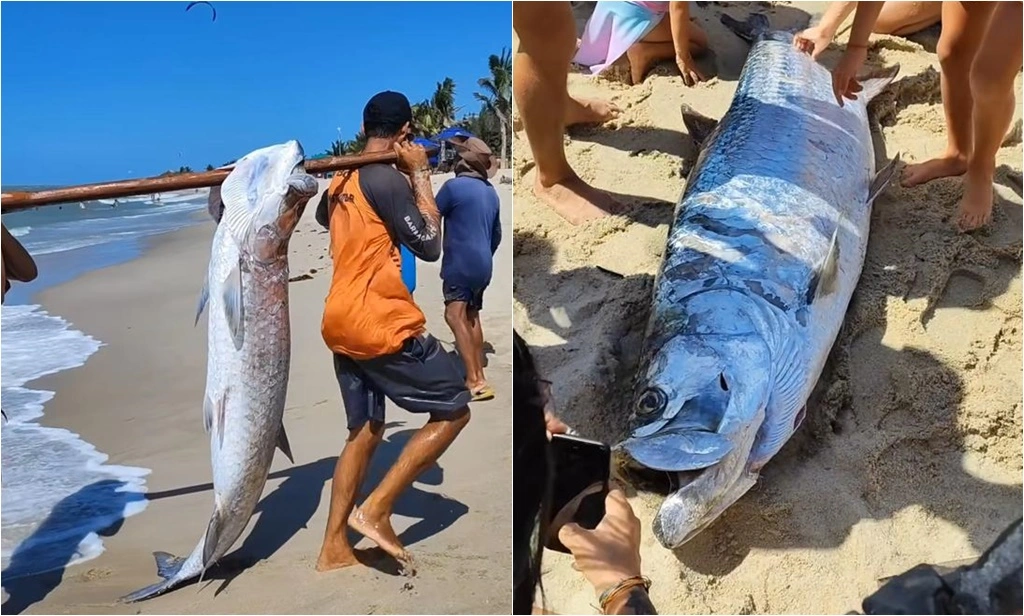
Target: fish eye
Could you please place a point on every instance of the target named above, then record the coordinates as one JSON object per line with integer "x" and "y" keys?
{"x": 653, "y": 400}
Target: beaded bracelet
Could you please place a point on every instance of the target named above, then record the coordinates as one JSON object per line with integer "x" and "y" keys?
{"x": 626, "y": 584}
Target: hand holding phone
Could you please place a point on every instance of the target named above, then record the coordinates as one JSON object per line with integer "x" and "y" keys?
{"x": 610, "y": 552}
{"x": 579, "y": 484}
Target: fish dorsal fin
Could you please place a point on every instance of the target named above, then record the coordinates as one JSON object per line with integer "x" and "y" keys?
{"x": 823, "y": 278}
{"x": 882, "y": 178}
{"x": 697, "y": 125}
{"x": 873, "y": 85}
{"x": 749, "y": 30}
{"x": 214, "y": 204}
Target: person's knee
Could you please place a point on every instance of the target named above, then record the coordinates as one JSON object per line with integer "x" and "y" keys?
{"x": 457, "y": 420}
{"x": 954, "y": 57}
{"x": 370, "y": 432}
{"x": 455, "y": 314}
{"x": 989, "y": 81}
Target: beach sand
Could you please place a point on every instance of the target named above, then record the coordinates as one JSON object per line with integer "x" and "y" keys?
{"x": 139, "y": 399}
{"x": 911, "y": 450}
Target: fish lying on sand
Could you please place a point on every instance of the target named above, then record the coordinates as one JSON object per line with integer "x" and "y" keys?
{"x": 249, "y": 346}
{"x": 761, "y": 261}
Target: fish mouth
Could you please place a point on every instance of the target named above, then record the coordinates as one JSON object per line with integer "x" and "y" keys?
{"x": 644, "y": 478}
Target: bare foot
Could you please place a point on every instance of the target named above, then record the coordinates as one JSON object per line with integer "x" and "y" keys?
{"x": 975, "y": 208}
{"x": 642, "y": 58}
{"x": 590, "y": 111}
{"x": 378, "y": 530}
{"x": 333, "y": 556}
{"x": 575, "y": 200}
{"x": 943, "y": 167}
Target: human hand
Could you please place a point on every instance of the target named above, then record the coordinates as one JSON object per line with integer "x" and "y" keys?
{"x": 554, "y": 425}
{"x": 411, "y": 157}
{"x": 813, "y": 40}
{"x": 688, "y": 68}
{"x": 844, "y": 75}
{"x": 610, "y": 553}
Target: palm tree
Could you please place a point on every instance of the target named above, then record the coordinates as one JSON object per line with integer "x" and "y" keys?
{"x": 497, "y": 96}
{"x": 443, "y": 103}
{"x": 353, "y": 146}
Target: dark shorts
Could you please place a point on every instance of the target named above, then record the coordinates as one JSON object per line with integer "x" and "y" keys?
{"x": 474, "y": 298}
{"x": 421, "y": 378}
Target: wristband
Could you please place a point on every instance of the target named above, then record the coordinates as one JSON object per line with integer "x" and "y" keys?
{"x": 632, "y": 582}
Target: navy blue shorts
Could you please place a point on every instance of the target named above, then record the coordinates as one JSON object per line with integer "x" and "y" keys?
{"x": 420, "y": 378}
{"x": 474, "y": 298}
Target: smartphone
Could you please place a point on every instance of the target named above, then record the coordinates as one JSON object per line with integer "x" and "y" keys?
{"x": 581, "y": 466}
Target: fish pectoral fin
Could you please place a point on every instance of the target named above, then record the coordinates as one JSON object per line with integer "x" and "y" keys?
{"x": 823, "y": 278}
{"x": 211, "y": 538}
{"x": 882, "y": 178}
{"x": 234, "y": 309}
{"x": 283, "y": 445}
{"x": 875, "y": 84}
{"x": 204, "y": 296}
{"x": 699, "y": 126}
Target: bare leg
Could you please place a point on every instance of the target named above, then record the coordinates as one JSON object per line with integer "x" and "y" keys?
{"x": 473, "y": 318}
{"x": 348, "y": 477}
{"x": 963, "y": 27}
{"x": 547, "y": 35}
{"x": 905, "y": 18}
{"x": 657, "y": 46}
{"x": 372, "y": 519}
{"x": 992, "y": 76}
{"x": 455, "y": 313}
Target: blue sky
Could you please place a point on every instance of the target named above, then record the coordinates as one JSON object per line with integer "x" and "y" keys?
{"x": 112, "y": 90}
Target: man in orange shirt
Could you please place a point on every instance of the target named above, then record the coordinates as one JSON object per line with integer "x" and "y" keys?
{"x": 378, "y": 334}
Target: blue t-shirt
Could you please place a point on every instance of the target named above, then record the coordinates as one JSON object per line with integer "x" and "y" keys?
{"x": 408, "y": 268}
{"x": 470, "y": 210}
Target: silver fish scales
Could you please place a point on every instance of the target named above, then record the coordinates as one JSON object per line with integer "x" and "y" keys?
{"x": 249, "y": 346}
{"x": 762, "y": 258}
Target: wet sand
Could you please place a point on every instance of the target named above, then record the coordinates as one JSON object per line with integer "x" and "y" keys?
{"x": 139, "y": 399}
{"x": 911, "y": 451}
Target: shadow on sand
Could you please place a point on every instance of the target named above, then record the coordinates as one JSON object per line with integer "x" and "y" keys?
{"x": 96, "y": 508}
{"x": 279, "y": 516}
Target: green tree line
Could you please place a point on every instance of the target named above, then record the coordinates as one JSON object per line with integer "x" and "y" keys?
{"x": 492, "y": 122}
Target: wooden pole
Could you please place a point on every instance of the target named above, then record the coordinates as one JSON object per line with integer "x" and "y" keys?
{"x": 15, "y": 201}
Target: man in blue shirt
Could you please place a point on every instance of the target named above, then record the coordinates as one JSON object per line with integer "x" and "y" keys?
{"x": 470, "y": 209}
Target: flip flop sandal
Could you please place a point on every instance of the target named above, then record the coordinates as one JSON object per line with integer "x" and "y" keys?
{"x": 483, "y": 394}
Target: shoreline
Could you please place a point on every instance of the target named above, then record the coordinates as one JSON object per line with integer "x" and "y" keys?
{"x": 139, "y": 399}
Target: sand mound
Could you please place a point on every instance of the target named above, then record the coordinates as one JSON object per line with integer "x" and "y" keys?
{"x": 911, "y": 451}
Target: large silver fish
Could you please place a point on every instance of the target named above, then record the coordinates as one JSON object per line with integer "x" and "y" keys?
{"x": 765, "y": 250}
{"x": 249, "y": 346}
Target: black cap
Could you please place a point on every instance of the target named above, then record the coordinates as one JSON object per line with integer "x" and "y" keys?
{"x": 387, "y": 109}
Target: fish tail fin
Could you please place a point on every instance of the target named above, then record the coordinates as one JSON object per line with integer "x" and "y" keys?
{"x": 874, "y": 84}
{"x": 750, "y": 29}
{"x": 167, "y": 567}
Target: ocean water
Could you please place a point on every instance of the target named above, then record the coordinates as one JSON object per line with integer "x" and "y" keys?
{"x": 59, "y": 495}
